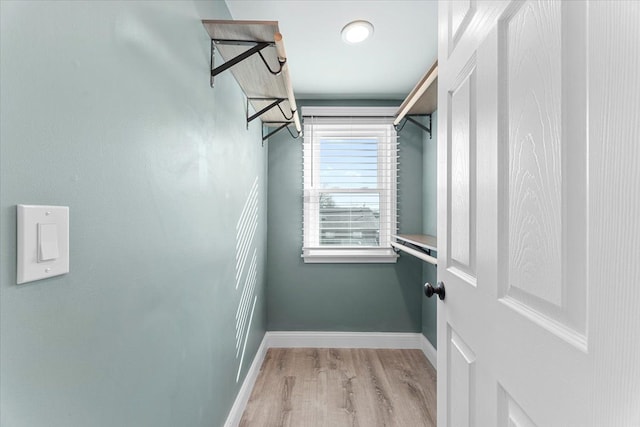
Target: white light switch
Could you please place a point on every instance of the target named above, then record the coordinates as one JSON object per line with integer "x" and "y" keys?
{"x": 47, "y": 242}
{"x": 43, "y": 242}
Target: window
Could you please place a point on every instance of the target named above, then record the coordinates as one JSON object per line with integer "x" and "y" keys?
{"x": 350, "y": 184}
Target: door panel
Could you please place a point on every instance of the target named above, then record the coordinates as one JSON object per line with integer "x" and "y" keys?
{"x": 513, "y": 349}
{"x": 510, "y": 413}
{"x": 538, "y": 150}
{"x": 542, "y": 164}
{"x": 460, "y": 15}
{"x": 462, "y": 173}
{"x": 461, "y": 381}
{"x": 530, "y": 59}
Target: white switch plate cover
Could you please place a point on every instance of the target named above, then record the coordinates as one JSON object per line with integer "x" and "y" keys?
{"x": 29, "y": 218}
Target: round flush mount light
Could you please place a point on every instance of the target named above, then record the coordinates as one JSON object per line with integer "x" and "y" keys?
{"x": 357, "y": 32}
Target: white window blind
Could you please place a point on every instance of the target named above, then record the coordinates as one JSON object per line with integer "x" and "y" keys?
{"x": 350, "y": 185}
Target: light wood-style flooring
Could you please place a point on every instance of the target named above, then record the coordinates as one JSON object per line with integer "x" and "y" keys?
{"x": 322, "y": 387}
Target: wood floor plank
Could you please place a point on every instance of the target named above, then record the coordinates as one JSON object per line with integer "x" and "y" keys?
{"x": 401, "y": 372}
{"x": 317, "y": 387}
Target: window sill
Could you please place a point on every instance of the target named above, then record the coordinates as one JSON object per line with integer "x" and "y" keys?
{"x": 349, "y": 256}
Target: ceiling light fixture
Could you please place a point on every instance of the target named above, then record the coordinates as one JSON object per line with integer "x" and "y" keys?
{"x": 357, "y": 31}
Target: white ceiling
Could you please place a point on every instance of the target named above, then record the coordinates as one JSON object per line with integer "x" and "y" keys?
{"x": 387, "y": 66}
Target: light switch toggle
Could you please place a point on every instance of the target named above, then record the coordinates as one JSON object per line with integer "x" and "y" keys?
{"x": 47, "y": 242}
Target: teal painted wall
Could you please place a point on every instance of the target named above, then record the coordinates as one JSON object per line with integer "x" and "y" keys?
{"x": 106, "y": 107}
{"x": 339, "y": 297}
{"x": 429, "y": 225}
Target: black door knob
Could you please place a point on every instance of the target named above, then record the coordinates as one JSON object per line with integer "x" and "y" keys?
{"x": 430, "y": 290}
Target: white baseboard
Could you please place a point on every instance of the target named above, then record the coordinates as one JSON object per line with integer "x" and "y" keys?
{"x": 429, "y": 351}
{"x": 233, "y": 419}
{"x": 295, "y": 339}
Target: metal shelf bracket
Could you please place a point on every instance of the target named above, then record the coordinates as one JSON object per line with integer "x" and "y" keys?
{"x": 417, "y": 123}
{"x": 275, "y": 103}
{"x": 256, "y": 47}
{"x": 282, "y": 125}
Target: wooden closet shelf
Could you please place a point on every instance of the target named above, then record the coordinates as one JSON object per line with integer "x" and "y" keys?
{"x": 423, "y": 98}
{"x": 262, "y": 75}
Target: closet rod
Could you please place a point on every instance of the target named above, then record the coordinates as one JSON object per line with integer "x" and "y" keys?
{"x": 415, "y": 253}
{"x": 282, "y": 58}
{"x": 349, "y": 117}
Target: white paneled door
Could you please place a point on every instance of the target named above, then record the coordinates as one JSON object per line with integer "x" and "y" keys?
{"x": 538, "y": 213}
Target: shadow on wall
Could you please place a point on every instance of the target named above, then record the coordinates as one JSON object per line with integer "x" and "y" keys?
{"x": 246, "y": 272}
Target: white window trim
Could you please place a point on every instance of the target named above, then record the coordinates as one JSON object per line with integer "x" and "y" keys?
{"x": 380, "y": 254}
{"x": 350, "y": 112}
